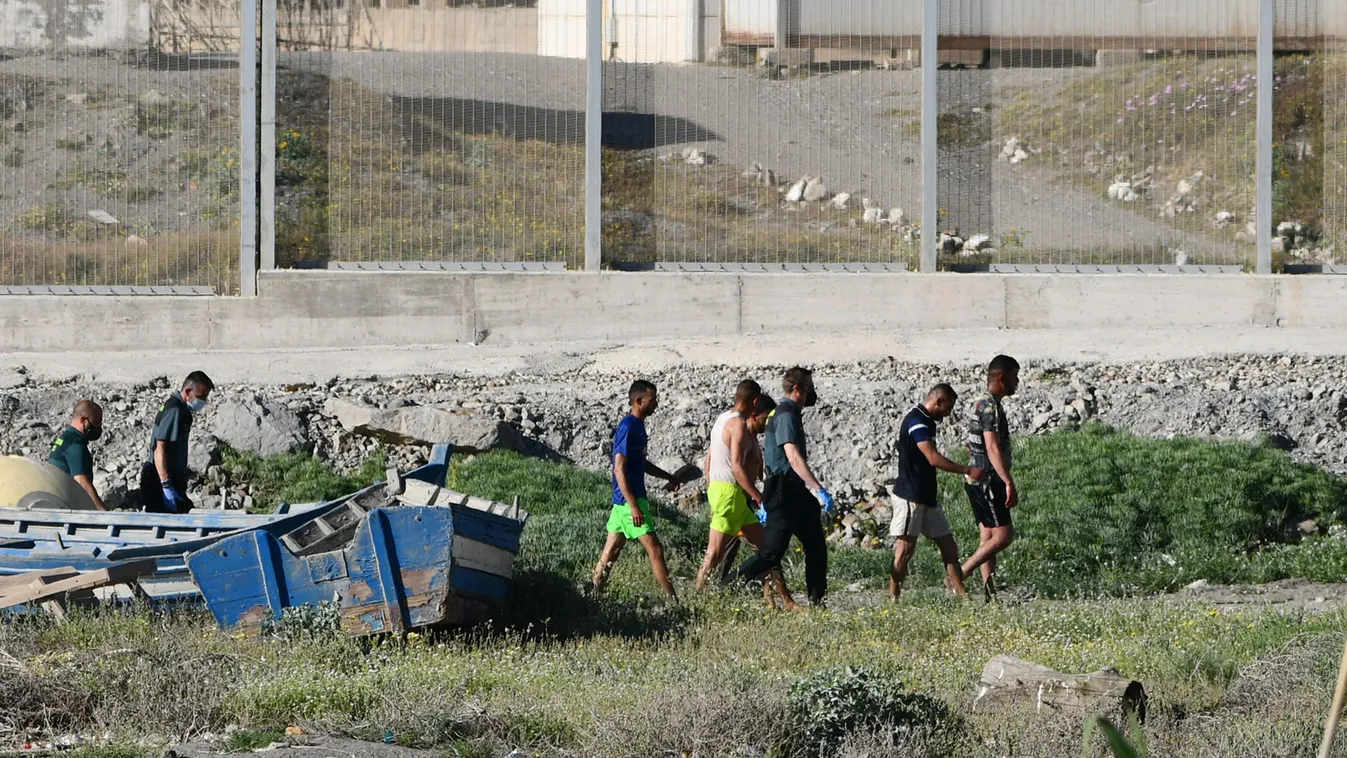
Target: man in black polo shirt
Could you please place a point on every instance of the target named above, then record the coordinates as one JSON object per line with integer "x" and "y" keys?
{"x": 791, "y": 495}
{"x": 916, "y": 511}
{"x": 163, "y": 478}
{"x": 70, "y": 452}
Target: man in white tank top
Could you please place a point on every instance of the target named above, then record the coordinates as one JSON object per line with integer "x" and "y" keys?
{"x": 730, "y": 484}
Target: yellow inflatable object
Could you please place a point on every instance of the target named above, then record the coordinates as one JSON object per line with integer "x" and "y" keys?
{"x": 29, "y": 485}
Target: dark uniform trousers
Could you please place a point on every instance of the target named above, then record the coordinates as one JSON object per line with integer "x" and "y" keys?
{"x": 791, "y": 512}
{"x": 152, "y": 491}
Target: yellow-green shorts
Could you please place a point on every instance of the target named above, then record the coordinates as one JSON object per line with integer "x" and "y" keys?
{"x": 619, "y": 520}
{"x": 729, "y": 508}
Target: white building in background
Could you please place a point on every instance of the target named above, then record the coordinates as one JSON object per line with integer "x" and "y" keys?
{"x": 635, "y": 31}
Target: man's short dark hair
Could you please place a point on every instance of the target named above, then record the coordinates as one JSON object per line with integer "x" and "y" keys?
{"x": 198, "y": 379}
{"x": 747, "y": 390}
{"x": 1003, "y": 364}
{"x": 640, "y": 388}
{"x": 764, "y": 404}
{"x": 86, "y": 409}
{"x": 943, "y": 390}
{"x": 796, "y": 377}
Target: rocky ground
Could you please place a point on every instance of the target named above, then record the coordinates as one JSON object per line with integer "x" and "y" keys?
{"x": 1297, "y": 403}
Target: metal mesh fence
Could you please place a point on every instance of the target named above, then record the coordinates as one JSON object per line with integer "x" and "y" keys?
{"x": 806, "y": 151}
{"x": 1333, "y": 249}
{"x": 1072, "y": 134}
{"x": 1102, "y": 134}
{"x": 118, "y": 149}
{"x": 428, "y": 133}
{"x": 1331, "y": 244}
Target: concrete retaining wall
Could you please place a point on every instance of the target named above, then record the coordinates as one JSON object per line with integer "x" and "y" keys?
{"x": 349, "y": 310}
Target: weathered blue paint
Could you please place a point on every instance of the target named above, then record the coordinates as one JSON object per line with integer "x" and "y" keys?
{"x": 396, "y": 574}
{"x": 494, "y": 530}
{"x": 473, "y": 582}
{"x": 388, "y": 570}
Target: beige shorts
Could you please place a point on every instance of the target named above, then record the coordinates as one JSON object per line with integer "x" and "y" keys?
{"x": 915, "y": 520}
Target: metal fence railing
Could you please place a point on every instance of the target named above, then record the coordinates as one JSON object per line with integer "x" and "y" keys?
{"x": 118, "y": 157}
{"x": 1070, "y": 135}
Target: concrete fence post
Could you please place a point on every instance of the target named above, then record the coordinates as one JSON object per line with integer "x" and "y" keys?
{"x": 594, "y": 135}
{"x": 930, "y": 145}
{"x": 1267, "y": 19}
{"x": 248, "y": 148}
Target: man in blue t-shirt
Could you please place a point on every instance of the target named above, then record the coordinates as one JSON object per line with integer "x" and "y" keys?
{"x": 629, "y": 518}
{"x": 916, "y": 510}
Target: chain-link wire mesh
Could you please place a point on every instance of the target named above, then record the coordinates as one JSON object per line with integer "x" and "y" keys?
{"x": 430, "y": 132}
{"x": 1098, "y": 134}
{"x": 806, "y": 151}
{"x": 118, "y": 147}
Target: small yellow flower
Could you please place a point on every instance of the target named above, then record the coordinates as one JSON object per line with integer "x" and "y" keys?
{"x": 282, "y": 145}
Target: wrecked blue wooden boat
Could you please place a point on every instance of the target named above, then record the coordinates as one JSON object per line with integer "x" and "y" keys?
{"x": 448, "y": 562}
{"x": 34, "y": 540}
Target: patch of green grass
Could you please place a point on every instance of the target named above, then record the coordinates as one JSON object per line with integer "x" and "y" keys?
{"x": 50, "y": 218}
{"x": 298, "y": 477}
{"x": 248, "y": 740}
{"x": 12, "y": 158}
{"x": 69, "y": 143}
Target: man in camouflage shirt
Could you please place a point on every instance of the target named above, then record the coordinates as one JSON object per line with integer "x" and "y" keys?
{"x": 989, "y": 450}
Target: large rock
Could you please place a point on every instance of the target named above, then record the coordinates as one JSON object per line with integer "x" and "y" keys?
{"x": 261, "y": 427}
{"x": 203, "y": 451}
{"x": 426, "y": 425}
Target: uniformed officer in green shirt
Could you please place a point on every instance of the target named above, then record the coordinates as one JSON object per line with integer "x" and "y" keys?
{"x": 70, "y": 452}
{"x": 163, "y": 477}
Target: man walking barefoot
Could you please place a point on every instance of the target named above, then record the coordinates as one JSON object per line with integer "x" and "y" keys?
{"x": 916, "y": 511}
{"x": 989, "y": 450}
{"x": 629, "y": 518}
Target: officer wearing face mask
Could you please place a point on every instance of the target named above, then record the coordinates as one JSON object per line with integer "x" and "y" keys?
{"x": 70, "y": 452}
{"x": 792, "y": 495}
{"x": 163, "y": 478}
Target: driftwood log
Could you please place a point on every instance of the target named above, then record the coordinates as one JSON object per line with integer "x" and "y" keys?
{"x": 1007, "y": 680}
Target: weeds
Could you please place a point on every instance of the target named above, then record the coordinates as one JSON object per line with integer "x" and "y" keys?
{"x": 249, "y": 740}
{"x": 298, "y": 477}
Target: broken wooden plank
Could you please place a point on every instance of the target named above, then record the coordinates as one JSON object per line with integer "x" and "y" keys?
{"x": 417, "y": 492}
{"x": 26, "y": 578}
{"x": 39, "y": 589}
{"x": 1006, "y": 678}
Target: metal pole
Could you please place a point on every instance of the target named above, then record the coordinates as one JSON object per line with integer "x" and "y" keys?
{"x": 781, "y": 38}
{"x": 594, "y": 136}
{"x": 692, "y": 40}
{"x": 930, "y": 145}
{"x": 268, "y": 204}
{"x": 1266, "y": 74}
{"x": 248, "y": 148}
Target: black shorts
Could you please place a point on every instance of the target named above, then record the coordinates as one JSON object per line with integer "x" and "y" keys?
{"x": 989, "y": 502}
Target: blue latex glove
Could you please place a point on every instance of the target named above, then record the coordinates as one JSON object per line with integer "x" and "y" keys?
{"x": 173, "y": 500}
{"x": 825, "y": 499}
{"x": 762, "y": 515}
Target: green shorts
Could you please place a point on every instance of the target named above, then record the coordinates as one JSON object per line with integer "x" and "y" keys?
{"x": 619, "y": 520}
{"x": 729, "y": 508}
